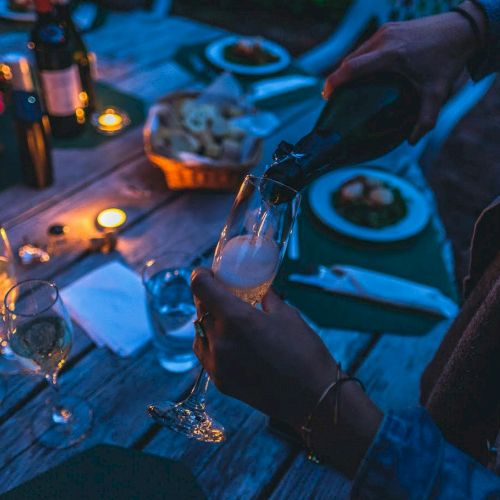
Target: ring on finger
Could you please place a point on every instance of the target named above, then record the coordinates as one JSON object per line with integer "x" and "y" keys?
{"x": 198, "y": 325}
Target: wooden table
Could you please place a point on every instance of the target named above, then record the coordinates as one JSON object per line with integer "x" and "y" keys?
{"x": 134, "y": 53}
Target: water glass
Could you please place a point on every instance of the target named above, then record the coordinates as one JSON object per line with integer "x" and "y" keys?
{"x": 171, "y": 309}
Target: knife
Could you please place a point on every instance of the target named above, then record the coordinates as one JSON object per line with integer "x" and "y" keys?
{"x": 378, "y": 287}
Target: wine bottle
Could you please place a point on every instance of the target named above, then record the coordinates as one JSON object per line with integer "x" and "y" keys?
{"x": 362, "y": 120}
{"x": 58, "y": 72}
{"x": 79, "y": 51}
{"x": 32, "y": 124}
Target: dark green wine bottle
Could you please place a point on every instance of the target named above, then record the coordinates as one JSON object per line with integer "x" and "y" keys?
{"x": 362, "y": 120}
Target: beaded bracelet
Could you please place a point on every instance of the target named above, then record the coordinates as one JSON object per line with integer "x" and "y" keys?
{"x": 334, "y": 386}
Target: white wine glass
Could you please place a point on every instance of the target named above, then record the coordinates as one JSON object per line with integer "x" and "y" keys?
{"x": 40, "y": 334}
{"x": 8, "y": 366}
{"x": 249, "y": 253}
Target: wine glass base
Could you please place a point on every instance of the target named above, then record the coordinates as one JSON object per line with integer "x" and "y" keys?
{"x": 190, "y": 420}
{"x": 64, "y": 434}
{"x": 8, "y": 363}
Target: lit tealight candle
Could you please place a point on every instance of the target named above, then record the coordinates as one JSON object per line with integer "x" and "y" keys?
{"x": 110, "y": 121}
{"x": 111, "y": 218}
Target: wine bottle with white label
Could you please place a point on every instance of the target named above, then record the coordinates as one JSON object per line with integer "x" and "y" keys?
{"x": 79, "y": 50}
{"x": 59, "y": 75}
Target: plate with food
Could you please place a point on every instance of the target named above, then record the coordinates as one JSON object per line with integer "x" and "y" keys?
{"x": 17, "y": 10}
{"x": 247, "y": 56}
{"x": 369, "y": 204}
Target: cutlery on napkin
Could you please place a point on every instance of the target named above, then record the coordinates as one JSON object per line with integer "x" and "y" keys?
{"x": 273, "y": 87}
{"x": 109, "y": 303}
{"x": 379, "y": 287}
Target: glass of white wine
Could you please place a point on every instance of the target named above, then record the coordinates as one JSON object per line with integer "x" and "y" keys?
{"x": 40, "y": 334}
{"x": 249, "y": 253}
{"x": 8, "y": 366}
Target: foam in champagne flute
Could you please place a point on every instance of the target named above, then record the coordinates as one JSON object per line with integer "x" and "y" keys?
{"x": 247, "y": 265}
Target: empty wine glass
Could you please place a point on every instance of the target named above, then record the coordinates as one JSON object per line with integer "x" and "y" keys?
{"x": 8, "y": 366}
{"x": 40, "y": 334}
{"x": 247, "y": 258}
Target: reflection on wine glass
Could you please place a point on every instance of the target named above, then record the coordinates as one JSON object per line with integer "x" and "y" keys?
{"x": 40, "y": 334}
{"x": 8, "y": 365}
{"x": 249, "y": 253}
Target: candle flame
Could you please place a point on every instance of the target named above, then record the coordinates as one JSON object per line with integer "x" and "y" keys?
{"x": 111, "y": 218}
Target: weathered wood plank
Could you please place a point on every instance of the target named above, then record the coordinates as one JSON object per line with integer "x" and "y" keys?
{"x": 118, "y": 390}
{"x": 305, "y": 479}
{"x": 393, "y": 368}
{"x": 80, "y": 209}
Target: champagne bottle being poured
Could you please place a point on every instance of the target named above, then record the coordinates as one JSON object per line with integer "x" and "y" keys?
{"x": 362, "y": 120}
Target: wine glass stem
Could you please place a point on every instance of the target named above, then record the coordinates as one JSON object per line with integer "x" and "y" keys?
{"x": 60, "y": 415}
{"x": 197, "y": 397}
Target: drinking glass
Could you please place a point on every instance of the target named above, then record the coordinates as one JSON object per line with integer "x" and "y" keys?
{"x": 171, "y": 309}
{"x": 40, "y": 334}
{"x": 8, "y": 366}
{"x": 247, "y": 258}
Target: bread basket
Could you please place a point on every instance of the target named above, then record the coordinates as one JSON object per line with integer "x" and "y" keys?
{"x": 211, "y": 174}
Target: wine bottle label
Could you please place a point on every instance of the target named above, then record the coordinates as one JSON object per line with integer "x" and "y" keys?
{"x": 62, "y": 89}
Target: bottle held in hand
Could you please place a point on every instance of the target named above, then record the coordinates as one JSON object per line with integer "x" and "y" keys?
{"x": 59, "y": 75}
{"x": 79, "y": 53}
{"x": 32, "y": 124}
{"x": 362, "y": 120}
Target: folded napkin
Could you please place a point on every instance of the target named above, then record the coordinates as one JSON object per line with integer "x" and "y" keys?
{"x": 110, "y": 305}
{"x": 379, "y": 287}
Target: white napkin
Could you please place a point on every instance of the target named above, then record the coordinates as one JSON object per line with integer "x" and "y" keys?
{"x": 394, "y": 290}
{"x": 380, "y": 287}
{"x": 110, "y": 305}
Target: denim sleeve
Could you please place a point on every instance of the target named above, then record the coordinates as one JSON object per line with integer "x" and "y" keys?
{"x": 409, "y": 459}
{"x": 489, "y": 61}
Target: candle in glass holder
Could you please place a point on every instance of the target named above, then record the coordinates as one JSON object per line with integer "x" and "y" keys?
{"x": 110, "y": 121}
{"x": 111, "y": 218}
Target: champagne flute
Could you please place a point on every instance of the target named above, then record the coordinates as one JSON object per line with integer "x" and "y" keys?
{"x": 40, "y": 334}
{"x": 250, "y": 250}
{"x": 8, "y": 366}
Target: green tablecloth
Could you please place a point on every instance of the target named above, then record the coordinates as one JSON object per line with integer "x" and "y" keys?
{"x": 419, "y": 259}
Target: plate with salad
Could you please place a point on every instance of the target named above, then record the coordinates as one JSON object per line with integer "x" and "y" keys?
{"x": 247, "y": 55}
{"x": 369, "y": 204}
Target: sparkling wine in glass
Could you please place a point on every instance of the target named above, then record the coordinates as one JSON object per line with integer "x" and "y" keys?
{"x": 250, "y": 250}
{"x": 40, "y": 335}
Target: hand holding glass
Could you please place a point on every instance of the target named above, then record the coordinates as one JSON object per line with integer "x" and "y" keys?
{"x": 247, "y": 258}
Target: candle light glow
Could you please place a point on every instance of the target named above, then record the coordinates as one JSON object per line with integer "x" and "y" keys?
{"x": 110, "y": 121}
{"x": 111, "y": 218}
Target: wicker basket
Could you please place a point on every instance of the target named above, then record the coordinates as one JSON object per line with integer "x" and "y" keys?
{"x": 178, "y": 175}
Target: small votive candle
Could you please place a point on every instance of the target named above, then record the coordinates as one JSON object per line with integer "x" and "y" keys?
{"x": 111, "y": 218}
{"x": 110, "y": 121}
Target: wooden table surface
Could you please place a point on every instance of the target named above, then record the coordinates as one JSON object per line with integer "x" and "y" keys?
{"x": 134, "y": 54}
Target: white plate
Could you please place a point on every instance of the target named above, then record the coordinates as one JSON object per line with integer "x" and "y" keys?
{"x": 415, "y": 220}
{"x": 214, "y": 52}
{"x": 12, "y": 15}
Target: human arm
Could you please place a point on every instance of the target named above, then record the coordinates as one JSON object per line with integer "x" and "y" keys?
{"x": 432, "y": 52}
{"x": 409, "y": 458}
{"x": 273, "y": 361}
